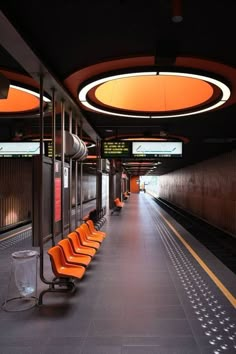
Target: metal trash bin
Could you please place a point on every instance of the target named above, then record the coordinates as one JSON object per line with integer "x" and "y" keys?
{"x": 22, "y": 287}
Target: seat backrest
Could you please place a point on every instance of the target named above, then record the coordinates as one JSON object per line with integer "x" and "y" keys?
{"x": 67, "y": 248}
{"x": 73, "y": 237}
{"x": 91, "y": 225}
{"x": 117, "y": 201}
{"x": 57, "y": 259}
{"x": 81, "y": 234}
{"x": 85, "y": 228}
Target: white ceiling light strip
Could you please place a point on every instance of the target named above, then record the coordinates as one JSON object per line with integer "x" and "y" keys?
{"x": 224, "y": 89}
{"x": 33, "y": 93}
{"x": 84, "y": 91}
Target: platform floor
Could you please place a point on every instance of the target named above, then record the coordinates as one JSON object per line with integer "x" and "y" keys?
{"x": 151, "y": 288}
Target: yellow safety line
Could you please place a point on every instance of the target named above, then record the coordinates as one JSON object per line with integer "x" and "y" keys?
{"x": 220, "y": 285}
{"x": 16, "y": 233}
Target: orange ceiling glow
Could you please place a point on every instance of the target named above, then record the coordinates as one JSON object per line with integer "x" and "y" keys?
{"x": 154, "y": 93}
{"x": 18, "y": 101}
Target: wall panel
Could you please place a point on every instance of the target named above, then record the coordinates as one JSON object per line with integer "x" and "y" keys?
{"x": 15, "y": 191}
{"x": 207, "y": 190}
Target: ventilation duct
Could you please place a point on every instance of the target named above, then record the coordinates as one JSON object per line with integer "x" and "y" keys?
{"x": 74, "y": 146}
{"x": 82, "y": 152}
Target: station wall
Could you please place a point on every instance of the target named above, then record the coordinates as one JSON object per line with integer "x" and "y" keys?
{"x": 206, "y": 189}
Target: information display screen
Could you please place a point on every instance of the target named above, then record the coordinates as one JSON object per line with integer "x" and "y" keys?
{"x": 19, "y": 149}
{"x": 156, "y": 149}
{"x": 141, "y": 149}
{"x": 113, "y": 149}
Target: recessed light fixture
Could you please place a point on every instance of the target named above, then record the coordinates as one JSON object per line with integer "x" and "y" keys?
{"x": 153, "y": 94}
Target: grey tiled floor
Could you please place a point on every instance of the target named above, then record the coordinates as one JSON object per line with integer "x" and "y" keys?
{"x": 138, "y": 296}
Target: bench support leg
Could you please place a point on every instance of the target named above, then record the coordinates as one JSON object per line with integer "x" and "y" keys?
{"x": 67, "y": 284}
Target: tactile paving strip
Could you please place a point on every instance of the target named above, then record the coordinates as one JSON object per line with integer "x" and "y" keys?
{"x": 12, "y": 241}
{"x": 217, "y": 324}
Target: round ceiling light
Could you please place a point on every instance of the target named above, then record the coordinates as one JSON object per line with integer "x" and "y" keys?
{"x": 20, "y": 100}
{"x": 152, "y": 94}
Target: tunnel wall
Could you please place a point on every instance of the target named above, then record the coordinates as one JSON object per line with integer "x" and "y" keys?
{"x": 206, "y": 189}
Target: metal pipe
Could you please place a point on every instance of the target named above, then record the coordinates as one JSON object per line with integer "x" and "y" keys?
{"x": 76, "y": 180}
{"x": 98, "y": 179}
{"x": 81, "y": 191}
{"x": 81, "y": 179}
{"x": 62, "y": 166}
{"x": 70, "y": 177}
{"x": 41, "y": 199}
{"x": 41, "y": 193}
{"x": 53, "y": 164}
{"x": 177, "y": 11}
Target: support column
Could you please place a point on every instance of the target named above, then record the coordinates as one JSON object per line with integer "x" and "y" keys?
{"x": 62, "y": 166}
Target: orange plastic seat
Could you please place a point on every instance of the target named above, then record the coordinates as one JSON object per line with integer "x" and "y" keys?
{"x": 78, "y": 247}
{"x": 92, "y": 228}
{"x": 118, "y": 205}
{"x": 71, "y": 256}
{"x": 91, "y": 236}
{"x": 61, "y": 268}
{"x": 85, "y": 242}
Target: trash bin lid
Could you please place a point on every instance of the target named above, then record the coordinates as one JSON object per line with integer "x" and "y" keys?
{"x": 24, "y": 254}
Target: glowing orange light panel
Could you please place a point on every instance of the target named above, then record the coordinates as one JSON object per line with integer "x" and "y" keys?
{"x": 154, "y": 93}
{"x": 18, "y": 101}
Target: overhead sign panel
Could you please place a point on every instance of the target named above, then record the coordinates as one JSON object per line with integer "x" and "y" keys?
{"x": 156, "y": 149}
{"x": 19, "y": 149}
{"x": 112, "y": 149}
{"x": 141, "y": 149}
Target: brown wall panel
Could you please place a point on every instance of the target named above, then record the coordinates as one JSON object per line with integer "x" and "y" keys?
{"x": 15, "y": 191}
{"x": 207, "y": 189}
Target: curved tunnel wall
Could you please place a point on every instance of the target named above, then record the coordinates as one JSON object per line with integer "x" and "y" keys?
{"x": 207, "y": 190}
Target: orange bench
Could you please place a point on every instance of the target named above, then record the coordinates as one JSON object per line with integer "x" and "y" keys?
{"x": 125, "y": 196}
{"x": 118, "y": 205}
{"x": 92, "y": 228}
{"x": 71, "y": 256}
{"x": 64, "y": 273}
{"x": 78, "y": 247}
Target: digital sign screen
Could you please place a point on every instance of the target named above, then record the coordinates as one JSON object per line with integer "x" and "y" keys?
{"x": 156, "y": 149}
{"x": 19, "y": 149}
{"x": 141, "y": 149}
{"x": 113, "y": 149}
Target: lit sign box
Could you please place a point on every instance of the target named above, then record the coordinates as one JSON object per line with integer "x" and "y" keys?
{"x": 141, "y": 149}
{"x": 113, "y": 149}
{"x": 21, "y": 149}
{"x": 151, "y": 149}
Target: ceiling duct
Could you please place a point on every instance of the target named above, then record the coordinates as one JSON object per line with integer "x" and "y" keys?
{"x": 75, "y": 147}
{"x": 82, "y": 152}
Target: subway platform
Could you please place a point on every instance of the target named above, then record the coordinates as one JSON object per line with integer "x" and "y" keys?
{"x": 151, "y": 288}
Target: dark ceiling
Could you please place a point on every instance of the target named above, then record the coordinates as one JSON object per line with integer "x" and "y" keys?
{"x": 70, "y": 35}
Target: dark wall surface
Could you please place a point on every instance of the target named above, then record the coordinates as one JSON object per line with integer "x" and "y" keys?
{"x": 15, "y": 190}
{"x": 207, "y": 190}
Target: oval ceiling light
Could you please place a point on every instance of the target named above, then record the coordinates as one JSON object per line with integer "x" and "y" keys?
{"x": 152, "y": 94}
{"x": 20, "y": 100}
